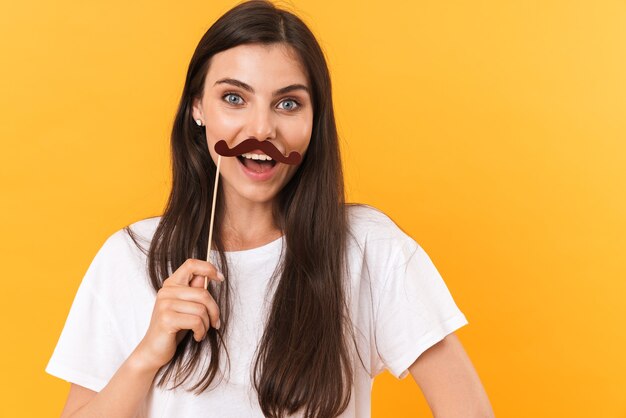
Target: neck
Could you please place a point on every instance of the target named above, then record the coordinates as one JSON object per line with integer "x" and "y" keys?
{"x": 248, "y": 224}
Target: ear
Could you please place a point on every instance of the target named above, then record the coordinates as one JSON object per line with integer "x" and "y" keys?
{"x": 196, "y": 109}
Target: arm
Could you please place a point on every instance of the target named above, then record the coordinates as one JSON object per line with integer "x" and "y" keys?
{"x": 182, "y": 304}
{"x": 449, "y": 381}
{"x": 121, "y": 397}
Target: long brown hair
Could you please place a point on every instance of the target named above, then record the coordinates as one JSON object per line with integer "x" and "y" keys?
{"x": 303, "y": 359}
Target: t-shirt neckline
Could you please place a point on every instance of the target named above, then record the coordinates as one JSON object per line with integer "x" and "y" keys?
{"x": 263, "y": 248}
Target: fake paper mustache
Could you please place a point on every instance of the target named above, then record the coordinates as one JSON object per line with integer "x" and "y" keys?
{"x": 251, "y": 144}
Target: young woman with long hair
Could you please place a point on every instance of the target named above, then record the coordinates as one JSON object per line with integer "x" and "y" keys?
{"x": 308, "y": 297}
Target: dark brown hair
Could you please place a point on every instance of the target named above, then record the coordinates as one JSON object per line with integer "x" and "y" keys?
{"x": 303, "y": 359}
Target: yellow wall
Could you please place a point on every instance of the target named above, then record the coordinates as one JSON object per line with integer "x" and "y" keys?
{"x": 513, "y": 117}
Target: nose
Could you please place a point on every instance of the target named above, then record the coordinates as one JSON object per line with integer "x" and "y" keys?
{"x": 261, "y": 124}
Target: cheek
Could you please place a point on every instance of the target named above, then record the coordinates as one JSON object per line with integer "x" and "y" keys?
{"x": 222, "y": 123}
{"x": 220, "y": 127}
{"x": 299, "y": 134}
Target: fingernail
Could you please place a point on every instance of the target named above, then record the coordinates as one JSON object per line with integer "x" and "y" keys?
{"x": 217, "y": 325}
{"x": 220, "y": 276}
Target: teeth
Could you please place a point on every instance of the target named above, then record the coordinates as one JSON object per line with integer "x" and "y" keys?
{"x": 257, "y": 156}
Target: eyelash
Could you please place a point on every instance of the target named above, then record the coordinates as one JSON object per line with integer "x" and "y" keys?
{"x": 290, "y": 99}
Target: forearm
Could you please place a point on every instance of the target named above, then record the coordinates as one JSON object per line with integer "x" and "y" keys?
{"x": 123, "y": 396}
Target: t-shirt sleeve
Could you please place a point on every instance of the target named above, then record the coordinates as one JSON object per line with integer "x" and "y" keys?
{"x": 415, "y": 309}
{"x": 89, "y": 350}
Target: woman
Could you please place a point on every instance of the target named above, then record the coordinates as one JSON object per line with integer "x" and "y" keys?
{"x": 309, "y": 298}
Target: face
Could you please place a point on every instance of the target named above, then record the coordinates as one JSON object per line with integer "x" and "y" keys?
{"x": 245, "y": 97}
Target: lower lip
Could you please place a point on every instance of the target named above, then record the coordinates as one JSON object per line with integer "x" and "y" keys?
{"x": 258, "y": 176}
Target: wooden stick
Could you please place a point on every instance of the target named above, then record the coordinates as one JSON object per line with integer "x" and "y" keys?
{"x": 208, "y": 251}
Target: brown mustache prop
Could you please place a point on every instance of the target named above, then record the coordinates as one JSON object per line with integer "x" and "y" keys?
{"x": 251, "y": 144}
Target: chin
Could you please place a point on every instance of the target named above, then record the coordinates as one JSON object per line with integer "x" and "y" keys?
{"x": 258, "y": 196}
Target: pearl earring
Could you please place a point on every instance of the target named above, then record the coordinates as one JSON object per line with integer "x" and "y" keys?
{"x": 198, "y": 122}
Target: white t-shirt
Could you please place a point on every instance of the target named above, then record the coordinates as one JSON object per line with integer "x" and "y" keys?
{"x": 396, "y": 295}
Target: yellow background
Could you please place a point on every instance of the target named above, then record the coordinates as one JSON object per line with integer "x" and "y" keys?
{"x": 492, "y": 131}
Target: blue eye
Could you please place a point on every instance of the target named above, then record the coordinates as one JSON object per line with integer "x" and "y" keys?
{"x": 294, "y": 104}
{"x": 225, "y": 96}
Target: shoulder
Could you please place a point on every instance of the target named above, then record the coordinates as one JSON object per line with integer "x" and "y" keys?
{"x": 131, "y": 236}
{"x": 121, "y": 257}
{"x": 362, "y": 217}
{"x": 127, "y": 246}
{"x": 374, "y": 236}
{"x": 145, "y": 227}
{"x": 369, "y": 224}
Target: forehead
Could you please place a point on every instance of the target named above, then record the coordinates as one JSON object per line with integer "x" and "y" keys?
{"x": 264, "y": 67}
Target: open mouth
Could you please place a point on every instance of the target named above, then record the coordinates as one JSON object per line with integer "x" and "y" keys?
{"x": 256, "y": 162}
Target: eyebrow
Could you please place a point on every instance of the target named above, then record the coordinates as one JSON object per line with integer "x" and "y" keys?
{"x": 249, "y": 88}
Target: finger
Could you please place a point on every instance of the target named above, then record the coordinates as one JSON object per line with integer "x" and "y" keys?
{"x": 191, "y": 308}
{"x": 199, "y": 281}
{"x": 194, "y": 294}
{"x": 176, "y": 321}
{"x": 192, "y": 266}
